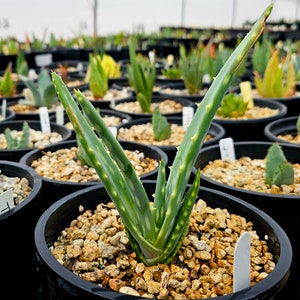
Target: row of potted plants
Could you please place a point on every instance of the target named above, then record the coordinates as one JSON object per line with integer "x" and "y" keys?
{"x": 200, "y": 124}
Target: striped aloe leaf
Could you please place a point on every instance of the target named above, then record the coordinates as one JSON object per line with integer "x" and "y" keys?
{"x": 155, "y": 231}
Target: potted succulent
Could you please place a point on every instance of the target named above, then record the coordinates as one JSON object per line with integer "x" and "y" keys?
{"x": 147, "y": 131}
{"x": 246, "y": 177}
{"x": 63, "y": 172}
{"x": 37, "y": 94}
{"x": 100, "y": 89}
{"x": 141, "y": 76}
{"x": 244, "y": 118}
{"x": 18, "y": 137}
{"x": 278, "y": 82}
{"x": 162, "y": 226}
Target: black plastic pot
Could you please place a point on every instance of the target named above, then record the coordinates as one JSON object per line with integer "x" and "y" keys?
{"x": 103, "y": 112}
{"x": 17, "y": 251}
{"x": 216, "y": 131}
{"x": 292, "y": 103}
{"x": 155, "y": 99}
{"x": 282, "y": 208}
{"x": 282, "y": 126}
{"x": 252, "y": 130}
{"x": 16, "y": 154}
{"x": 181, "y": 86}
{"x": 61, "y": 283}
{"x": 53, "y": 190}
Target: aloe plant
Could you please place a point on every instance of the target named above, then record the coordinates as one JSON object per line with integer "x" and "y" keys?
{"x": 17, "y": 142}
{"x": 141, "y": 76}
{"x": 156, "y": 230}
{"x": 193, "y": 66}
{"x": 278, "y": 170}
{"x": 7, "y": 85}
{"x": 276, "y": 82}
{"x": 96, "y": 77}
{"x": 161, "y": 126}
{"x": 40, "y": 93}
{"x": 21, "y": 64}
{"x": 261, "y": 54}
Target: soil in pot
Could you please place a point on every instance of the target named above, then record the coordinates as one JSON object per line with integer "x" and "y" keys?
{"x": 37, "y": 138}
{"x": 140, "y": 131}
{"x": 63, "y": 173}
{"x": 125, "y": 277}
{"x": 244, "y": 178}
{"x": 169, "y": 107}
{"x": 292, "y": 103}
{"x": 17, "y": 227}
{"x": 178, "y": 89}
{"x": 110, "y": 117}
{"x": 114, "y": 93}
{"x": 250, "y": 126}
{"x": 283, "y": 130}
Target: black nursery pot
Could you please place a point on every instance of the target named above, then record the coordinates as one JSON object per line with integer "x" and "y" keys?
{"x": 282, "y": 208}
{"x": 16, "y": 154}
{"x": 63, "y": 284}
{"x": 216, "y": 131}
{"x": 155, "y": 99}
{"x": 53, "y": 190}
{"x": 252, "y": 130}
{"x": 282, "y": 126}
{"x": 17, "y": 244}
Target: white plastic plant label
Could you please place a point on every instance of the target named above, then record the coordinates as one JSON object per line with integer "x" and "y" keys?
{"x": 42, "y": 60}
{"x": 59, "y": 115}
{"x": 113, "y": 130}
{"x": 6, "y": 201}
{"x": 241, "y": 263}
{"x": 3, "y": 109}
{"x": 227, "y": 149}
{"x": 187, "y": 116}
{"x": 44, "y": 119}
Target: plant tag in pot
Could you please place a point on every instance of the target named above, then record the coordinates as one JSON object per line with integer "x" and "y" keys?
{"x": 59, "y": 115}
{"x": 187, "y": 116}
{"x": 227, "y": 149}
{"x": 44, "y": 119}
{"x": 246, "y": 92}
{"x": 3, "y": 109}
{"x": 241, "y": 263}
{"x": 6, "y": 201}
{"x": 113, "y": 130}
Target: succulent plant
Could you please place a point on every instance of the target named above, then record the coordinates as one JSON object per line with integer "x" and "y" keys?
{"x": 192, "y": 67}
{"x": 278, "y": 170}
{"x": 40, "y": 93}
{"x": 277, "y": 80}
{"x": 21, "y": 64}
{"x": 96, "y": 77}
{"x": 261, "y": 54}
{"x": 17, "y": 142}
{"x": 161, "y": 126}
{"x": 156, "y": 230}
{"x": 7, "y": 85}
{"x": 232, "y": 105}
{"x": 141, "y": 76}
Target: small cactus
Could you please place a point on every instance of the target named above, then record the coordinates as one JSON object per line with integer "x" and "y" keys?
{"x": 278, "y": 170}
